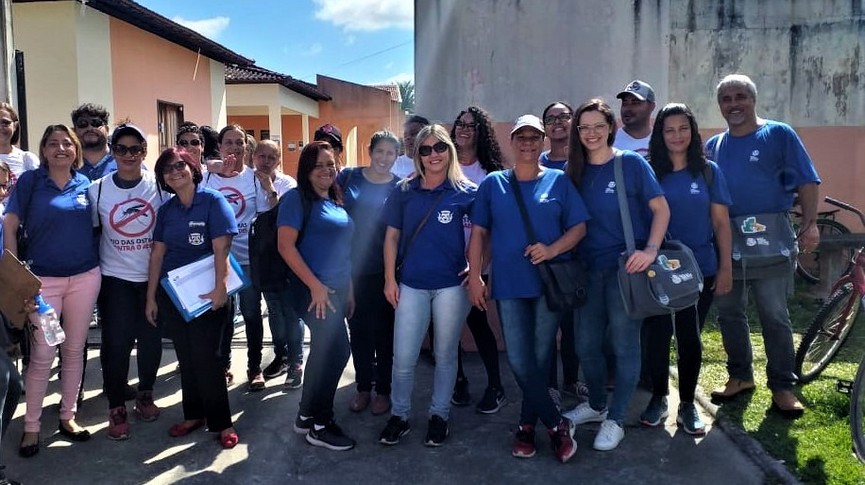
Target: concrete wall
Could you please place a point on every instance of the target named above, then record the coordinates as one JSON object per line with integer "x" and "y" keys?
{"x": 807, "y": 58}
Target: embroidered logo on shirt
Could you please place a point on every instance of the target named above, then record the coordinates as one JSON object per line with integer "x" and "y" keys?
{"x": 196, "y": 238}
{"x": 544, "y": 198}
{"x": 611, "y": 188}
{"x": 81, "y": 200}
{"x": 695, "y": 189}
{"x": 445, "y": 217}
{"x": 196, "y": 224}
{"x": 755, "y": 156}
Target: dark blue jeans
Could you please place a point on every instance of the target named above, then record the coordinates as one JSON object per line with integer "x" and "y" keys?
{"x": 529, "y": 329}
{"x": 285, "y": 326}
{"x": 328, "y": 354}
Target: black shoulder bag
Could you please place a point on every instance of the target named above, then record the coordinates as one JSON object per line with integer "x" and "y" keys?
{"x": 564, "y": 281}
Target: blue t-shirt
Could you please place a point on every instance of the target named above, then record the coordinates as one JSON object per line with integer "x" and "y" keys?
{"x": 605, "y": 238}
{"x": 364, "y": 202}
{"x": 102, "y": 168}
{"x": 690, "y": 219}
{"x": 553, "y": 205}
{"x": 437, "y": 255}
{"x": 544, "y": 160}
{"x": 188, "y": 233}
{"x": 60, "y": 239}
{"x": 764, "y": 168}
{"x": 326, "y": 243}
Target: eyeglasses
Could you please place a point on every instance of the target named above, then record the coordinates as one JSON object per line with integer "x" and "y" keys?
{"x": 464, "y": 125}
{"x": 560, "y": 118}
{"x": 324, "y": 166}
{"x": 6, "y": 122}
{"x": 174, "y": 167}
{"x": 84, "y": 123}
{"x": 122, "y": 150}
{"x": 185, "y": 143}
{"x": 426, "y": 150}
{"x": 596, "y": 128}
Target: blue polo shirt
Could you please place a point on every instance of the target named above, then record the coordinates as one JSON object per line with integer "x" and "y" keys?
{"x": 437, "y": 255}
{"x": 188, "y": 233}
{"x": 764, "y": 168}
{"x": 364, "y": 202}
{"x": 326, "y": 243}
{"x": 544, "y": 160}
{"x": 605, "y": 238}
{"x": 102, "y": 168}
{"x": 58, "y": 222}
{"x": 690, "y": 201}
{"x": 553, "y": 205}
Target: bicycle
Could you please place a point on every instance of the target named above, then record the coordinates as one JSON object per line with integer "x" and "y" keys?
{"x": 808, "y": 264}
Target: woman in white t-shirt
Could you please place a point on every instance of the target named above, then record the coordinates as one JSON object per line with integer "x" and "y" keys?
{"x": 18, "y": 160}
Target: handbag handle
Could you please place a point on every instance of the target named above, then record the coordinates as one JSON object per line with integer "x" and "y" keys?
{"x": 624, "y": 210}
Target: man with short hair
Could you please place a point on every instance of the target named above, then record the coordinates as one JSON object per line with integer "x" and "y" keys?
{"x": 404, "y": 165}
{"x": 638, "y": 103}
{"x": 769, "y": 165}
{"x": 90, "y": 122}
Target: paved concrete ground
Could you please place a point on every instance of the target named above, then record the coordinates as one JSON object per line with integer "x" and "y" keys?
{"x": 477, "y": 451}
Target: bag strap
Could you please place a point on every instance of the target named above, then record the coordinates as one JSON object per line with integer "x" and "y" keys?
{"x": 717, "y": 147}
{"x": 423, "y": 222}
{"x": 99, "y": 198}
{"x": 307, "y": 211}
{"x": 524, "y": 213}
{"x": 624, "y": 210}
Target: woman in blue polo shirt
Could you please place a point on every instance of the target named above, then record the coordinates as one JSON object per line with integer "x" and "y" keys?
{"x": 424, "y": 215}
{"x": 314, "y": 238}
{"x": 591, "y": 168}
{"x": 195, "y": 223}
{"x": 365, "y": 190}
{"x": 698, "y": 197}
{"x": 61, "y": 249}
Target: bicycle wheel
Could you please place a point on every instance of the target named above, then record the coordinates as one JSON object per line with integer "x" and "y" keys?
{"x": 827, "y": 333}
{"x": 857, "y": 412}
{"x": 808, "y": 264}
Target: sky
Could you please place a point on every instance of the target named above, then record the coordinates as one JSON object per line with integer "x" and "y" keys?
{"x": 361, "y": 41}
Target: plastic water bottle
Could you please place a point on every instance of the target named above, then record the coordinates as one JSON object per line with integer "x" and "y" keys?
{"x": 46, "y": 319}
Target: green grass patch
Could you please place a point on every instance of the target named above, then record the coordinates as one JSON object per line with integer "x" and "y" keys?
{"x": 817, "y": 448}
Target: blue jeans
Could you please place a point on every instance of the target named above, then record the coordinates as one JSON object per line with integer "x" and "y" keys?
{"x": 286, "y": 328}
{"x": 529, "y": 329}
{"x": 770, "y": 296}
{"x": 328, "y": 354}
{"x": 603, "y": 316}
{"x": 448, "y": 308}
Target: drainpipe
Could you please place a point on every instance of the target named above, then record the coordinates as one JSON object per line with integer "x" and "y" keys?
{"x": 8, "y": 51}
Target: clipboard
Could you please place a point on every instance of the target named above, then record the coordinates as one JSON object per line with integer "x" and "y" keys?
{"x": 18, "y": 284}
{"x": 184, "y": 284}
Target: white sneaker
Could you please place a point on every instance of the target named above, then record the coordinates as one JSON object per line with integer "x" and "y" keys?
{"x": 585, "y": 414}
{"x": 609, "y": 436}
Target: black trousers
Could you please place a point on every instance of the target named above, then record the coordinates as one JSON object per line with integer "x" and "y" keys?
{"x": 485, "y": 341}
{"x": 371, "y": 329}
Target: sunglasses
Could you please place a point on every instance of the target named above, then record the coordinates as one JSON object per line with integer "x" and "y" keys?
{"x": 426, "y": 150}
{"x": 84, "y": 123}
{"x": 174, "y": 167}
{"x": 4, "y": 123}
{"x": 185, "y": 143}
{"x": 122, "y": 150}
{"x": 467, "y": 126}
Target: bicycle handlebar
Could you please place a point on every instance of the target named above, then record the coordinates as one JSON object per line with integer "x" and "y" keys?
{"x": 846, "y": 206}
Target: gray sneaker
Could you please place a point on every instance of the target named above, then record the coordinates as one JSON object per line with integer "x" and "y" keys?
{"x": 689, "y": 419}
{"x": 655, "y": 412}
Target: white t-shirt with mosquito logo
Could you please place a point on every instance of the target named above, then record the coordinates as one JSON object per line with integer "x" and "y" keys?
{"x": 247, "y": 198}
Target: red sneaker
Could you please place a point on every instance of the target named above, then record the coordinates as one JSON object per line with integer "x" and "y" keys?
{"x": 524, "y": 442}
{"x": 145, "y": 409}
{"x": 118, "y": 424}
{"x": 562, "y": 439}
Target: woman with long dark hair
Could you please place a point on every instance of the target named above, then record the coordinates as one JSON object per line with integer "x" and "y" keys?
{"x": 698, "y": 197}
{"x": 591, "y": 168}
{"x": 478, "y": 155}
{"x": 315, "y": 234}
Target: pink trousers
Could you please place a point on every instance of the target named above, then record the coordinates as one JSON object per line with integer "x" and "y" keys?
{"x": 72, "y": 297}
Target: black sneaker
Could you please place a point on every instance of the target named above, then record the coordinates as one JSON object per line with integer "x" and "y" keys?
{"x": 294, "y": 379}
{"x": 302, "y": 424}
{"x": 493, "y": 400}
{"x": 461, "y": 396}
{"x": 396, "y": 428}
{"x": 278, "y": 367}
{"x": 329, "y": 436}
{"x": 437, "y": 431}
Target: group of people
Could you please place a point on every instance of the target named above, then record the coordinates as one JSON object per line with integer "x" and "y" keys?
{"x": 411, "y": 247}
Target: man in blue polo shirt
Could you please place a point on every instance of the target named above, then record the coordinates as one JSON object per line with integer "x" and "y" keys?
{"x": 90, "y": 122}
{"x": 766, "y": 164}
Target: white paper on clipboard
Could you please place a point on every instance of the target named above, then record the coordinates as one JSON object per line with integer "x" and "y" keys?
{"x": 198, "y": 278}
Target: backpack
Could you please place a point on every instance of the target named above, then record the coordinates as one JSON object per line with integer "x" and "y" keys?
{"x": 267, "y": 270}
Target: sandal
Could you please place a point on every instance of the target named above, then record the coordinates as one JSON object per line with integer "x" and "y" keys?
{"x": 228, "y": 440}
{"x": 182, "y": 429}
